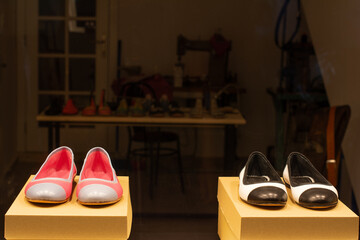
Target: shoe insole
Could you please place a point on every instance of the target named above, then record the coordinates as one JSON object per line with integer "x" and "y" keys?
{"x": 57, "y": 166}
{"x": 258, "y": 179}
{"x": 304, "y": 173}
{"x": 260, "y": 171}
{"x": 98, "y": 166}
{"x": 303, "y": 179}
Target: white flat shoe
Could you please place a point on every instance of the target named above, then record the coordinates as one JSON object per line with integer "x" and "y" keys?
{"x": 308, "y": 187}
{"x": 260, "y": 184}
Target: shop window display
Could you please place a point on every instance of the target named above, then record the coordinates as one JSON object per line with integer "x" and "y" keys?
{"x": 260, "y": 96}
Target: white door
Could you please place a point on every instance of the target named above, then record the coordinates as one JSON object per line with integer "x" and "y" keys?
{"x": 67, "y": 53}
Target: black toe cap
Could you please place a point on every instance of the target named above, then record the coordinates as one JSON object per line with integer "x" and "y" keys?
{"x": 318, "y": 197}
{"x": 268, "y": 196}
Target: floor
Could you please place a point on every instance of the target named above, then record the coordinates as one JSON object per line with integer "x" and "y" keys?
{"x": 168, "y": 213}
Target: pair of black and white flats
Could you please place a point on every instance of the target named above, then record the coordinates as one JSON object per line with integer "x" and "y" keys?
{"x": 261, "y": 185}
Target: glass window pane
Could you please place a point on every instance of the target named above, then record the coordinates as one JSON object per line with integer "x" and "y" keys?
{"x": 82, "y": 37}
{"x": 51, "y": 36}
{"x": 51, "y": 74}
{"x": 46, "y": 101}
{"x": 81, "y": 101}
{"x": 83, "y": 8}
{"x": 82, "y": 74}
{"x": 51, "y": 7}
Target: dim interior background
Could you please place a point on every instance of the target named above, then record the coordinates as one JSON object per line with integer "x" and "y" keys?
{"x": 148, "y": 33}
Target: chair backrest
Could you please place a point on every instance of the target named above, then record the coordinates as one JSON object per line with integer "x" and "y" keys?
{"x": 136, "y": 89}
{"x": 338, "y": 120}
{"x": 328, "y": 129}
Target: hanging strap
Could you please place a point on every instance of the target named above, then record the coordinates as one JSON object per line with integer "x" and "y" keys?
{"x": 331, "y": 165}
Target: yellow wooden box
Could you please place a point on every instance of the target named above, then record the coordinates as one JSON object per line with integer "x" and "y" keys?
{"x": 70, "y": 220}
{"x": 239, "y": 220}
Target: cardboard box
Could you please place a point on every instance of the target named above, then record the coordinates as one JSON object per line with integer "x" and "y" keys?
{"x": 70, "y": 220}
{"x": 239, "y": 220}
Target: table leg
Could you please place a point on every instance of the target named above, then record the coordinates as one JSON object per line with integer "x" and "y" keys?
{"x": 151, "y": 187}
{"x": 229, "y": 147}
{"x": 50, "y": 137}
{"x": 117, "y": 139}
{"x": 157, "y": 157}
{"x": 279, "y": 128}
{"x": 149, "y": 147}
{"x": 57, "y": 135}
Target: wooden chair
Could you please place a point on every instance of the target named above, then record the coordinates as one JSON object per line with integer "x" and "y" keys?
{"x": 151, "y": 138}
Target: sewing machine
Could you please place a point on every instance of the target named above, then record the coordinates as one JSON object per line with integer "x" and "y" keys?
{"x": 218, "y": 49}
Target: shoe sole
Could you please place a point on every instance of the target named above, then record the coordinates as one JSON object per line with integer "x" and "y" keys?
{"x": 46, "y": 201}
{"x": 318, "y": 206}
{"x": 98, "y": 203}
{"x": 268, "y": 204}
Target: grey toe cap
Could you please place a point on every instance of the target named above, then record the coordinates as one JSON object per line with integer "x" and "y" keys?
{"x": 97, "y": 193}
{"x": 47, "y": 192}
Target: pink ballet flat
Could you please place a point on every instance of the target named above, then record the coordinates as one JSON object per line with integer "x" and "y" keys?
{"x": 54, "y": 181}
{"x": 98, "y": 183}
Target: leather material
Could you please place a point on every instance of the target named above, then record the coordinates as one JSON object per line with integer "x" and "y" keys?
{"x": 46, "y": 191}
{"x": 259, "y": 182}
{"x": 299, "y": 171}
{"x": 259, "y": 170}
{"x": 97, "y": 193}
{"x": 55, "y": 176}
{"x": 307, "y": 185}
{"x": 267, "y": 195}
{"x": 297, "y": 191}
{"x": 331, "y": 166}
{"x": 330, "y": 134}
{"x": 286, "y": 175}
{"x": 98, "y": 182}
{"x": 317, "y": 197}
{"x": 114, "y": 185}
{"x": 246, "y": 189}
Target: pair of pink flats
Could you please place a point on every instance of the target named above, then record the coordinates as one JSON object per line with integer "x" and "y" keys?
{"x": 53, "y": 183}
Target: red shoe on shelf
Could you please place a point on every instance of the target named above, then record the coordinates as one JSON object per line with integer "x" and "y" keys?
{"x": 90, "y": 110}
{"x": 103, "y": 110}
{"x": 69, "y": 108}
